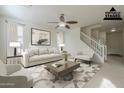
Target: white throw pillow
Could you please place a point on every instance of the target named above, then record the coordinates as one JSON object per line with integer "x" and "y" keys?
{"x": 43, "y": 51}
{"x": 51, "y": 50}
{"x": 33, "y": 52}
{"x": 57, "y": 51}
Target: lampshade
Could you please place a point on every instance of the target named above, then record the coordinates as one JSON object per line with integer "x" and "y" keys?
{"x": 14, "y": 44}
{"x": 61, "y": 45}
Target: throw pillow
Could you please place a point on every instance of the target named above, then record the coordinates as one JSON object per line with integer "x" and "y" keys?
{"x": 57, "y": 51}
{"x": 51, "y": 50}
{"x": 43, "y": 51}
{"x": 33, "y": 52}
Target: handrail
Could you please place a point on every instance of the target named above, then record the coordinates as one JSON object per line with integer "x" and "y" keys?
{"x": 91, "y": 38}
{"x": 99, "y": 48}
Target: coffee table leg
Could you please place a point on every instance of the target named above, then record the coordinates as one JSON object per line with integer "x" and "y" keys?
{"x": 68, "y": 77}
{"x": 55, "y": 79}
{"x": 89, "y": 63}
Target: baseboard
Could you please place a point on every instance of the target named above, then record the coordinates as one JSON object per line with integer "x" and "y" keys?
{"x": 115, "y": 55}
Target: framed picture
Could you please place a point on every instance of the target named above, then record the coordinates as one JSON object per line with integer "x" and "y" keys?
{"x": 40, "y": 37}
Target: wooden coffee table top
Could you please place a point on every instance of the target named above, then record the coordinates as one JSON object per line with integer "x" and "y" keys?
{"x": 66, "y": 68}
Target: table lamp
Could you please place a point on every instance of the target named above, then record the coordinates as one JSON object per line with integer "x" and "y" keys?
{"x": 14, "y": 45}
{"x": 61, "y": 46}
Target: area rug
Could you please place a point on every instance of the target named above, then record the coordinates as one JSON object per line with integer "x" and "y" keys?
{"x": 81, "y": 76}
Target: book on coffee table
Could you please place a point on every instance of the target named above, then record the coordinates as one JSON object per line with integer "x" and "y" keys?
{"x": 57, "y": 65}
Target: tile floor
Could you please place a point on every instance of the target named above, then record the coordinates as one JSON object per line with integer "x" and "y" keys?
{"x": 111, "y": 74}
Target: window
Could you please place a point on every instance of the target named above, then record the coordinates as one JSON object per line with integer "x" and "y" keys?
{"x": 20, "y": 29}
{"x": 60, "y": 38}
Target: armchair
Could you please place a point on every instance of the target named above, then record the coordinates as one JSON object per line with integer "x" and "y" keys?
{"x": 13, "y": 76}
{"x": 86, "y": 57}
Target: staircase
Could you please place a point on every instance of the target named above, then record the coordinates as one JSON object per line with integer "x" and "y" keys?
{"x": 99, "y": 48}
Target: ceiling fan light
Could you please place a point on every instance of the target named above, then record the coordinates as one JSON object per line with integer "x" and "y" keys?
{"x": 62, "y": 24}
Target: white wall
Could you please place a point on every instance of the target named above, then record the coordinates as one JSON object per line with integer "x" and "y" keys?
{"x": 123, "y": 43}
{"x": 102, "y": 37}
{"x": 94, "y": 32}
{"x": 86, "y": 30}
{"x": 99, "y": 36}
{"x": 27, "y": 32}
{"x": 115, "y": 43}
{"x": 73, "y": 44}
{"x": 27, "y": 35}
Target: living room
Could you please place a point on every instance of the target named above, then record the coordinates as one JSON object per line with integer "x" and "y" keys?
{"x": 41, "y": 44}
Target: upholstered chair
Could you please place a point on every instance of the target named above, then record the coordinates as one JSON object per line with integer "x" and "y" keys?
{"x": 14, "y": 76}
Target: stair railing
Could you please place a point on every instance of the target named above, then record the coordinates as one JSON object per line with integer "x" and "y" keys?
{"x": 98, "y": 48}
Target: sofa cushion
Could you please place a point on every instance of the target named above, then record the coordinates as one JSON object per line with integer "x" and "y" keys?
{"x": 43, "y": 51}
{"x": 33, "y": 52}
{"x": 43, "y": 57}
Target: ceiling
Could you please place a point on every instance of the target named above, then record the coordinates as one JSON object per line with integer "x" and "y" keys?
{"x": 42, "y": 14}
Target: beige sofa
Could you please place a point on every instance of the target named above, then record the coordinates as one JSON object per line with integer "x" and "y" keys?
{"x": 40, "y": 55}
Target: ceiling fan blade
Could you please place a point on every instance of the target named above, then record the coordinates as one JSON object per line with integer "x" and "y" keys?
{"x": 53, "y": 22}
{"x": 67, "y": 26}
{"x": 71, "y": 22}
{"x": 62, "y": 19}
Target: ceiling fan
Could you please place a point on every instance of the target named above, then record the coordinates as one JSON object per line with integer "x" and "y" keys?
{"x": 64, "y": 23}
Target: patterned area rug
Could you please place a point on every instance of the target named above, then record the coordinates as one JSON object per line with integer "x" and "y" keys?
{"x": 81, "y": 76}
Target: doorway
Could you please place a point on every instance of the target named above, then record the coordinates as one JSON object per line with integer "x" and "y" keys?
{"x": 115, "y": 43}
